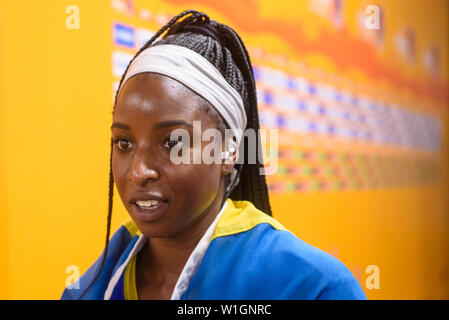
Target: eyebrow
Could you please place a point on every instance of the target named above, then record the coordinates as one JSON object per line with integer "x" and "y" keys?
{"x": 159, "y": 125}
{"x": 171, "y": 123}
{"x": 120, "y": 126}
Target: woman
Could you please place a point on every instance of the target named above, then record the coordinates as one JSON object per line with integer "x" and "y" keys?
{"x": 187, "y": 239}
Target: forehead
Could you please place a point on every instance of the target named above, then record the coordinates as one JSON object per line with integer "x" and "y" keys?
{"x": 158, "y": 97}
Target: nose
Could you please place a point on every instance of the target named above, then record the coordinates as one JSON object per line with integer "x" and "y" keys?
{"x": 141, "y": 170}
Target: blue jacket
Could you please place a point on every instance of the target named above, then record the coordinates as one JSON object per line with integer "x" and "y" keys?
{"x": 250, "y": 256}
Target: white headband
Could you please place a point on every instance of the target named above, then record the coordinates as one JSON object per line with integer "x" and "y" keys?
{"x": 198, "y": 74}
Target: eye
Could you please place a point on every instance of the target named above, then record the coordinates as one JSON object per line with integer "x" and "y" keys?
{"x": 122, "y": 144}
{"x": 169, "y": 143}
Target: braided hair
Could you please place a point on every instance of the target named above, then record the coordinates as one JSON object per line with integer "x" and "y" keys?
{"x": 225, "y": 50}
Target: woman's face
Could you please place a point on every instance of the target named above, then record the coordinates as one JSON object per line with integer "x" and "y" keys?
{"x": 149, "y": 108}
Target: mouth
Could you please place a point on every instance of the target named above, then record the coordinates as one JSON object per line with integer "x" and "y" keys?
{"x": 148, "y": 204}
{"x": 149, "y": 209}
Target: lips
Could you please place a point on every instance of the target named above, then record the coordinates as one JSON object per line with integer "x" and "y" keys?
{"x": 146, "y": 196}
{"x": 148, "y": 207}
{"x": 148, "y": 204}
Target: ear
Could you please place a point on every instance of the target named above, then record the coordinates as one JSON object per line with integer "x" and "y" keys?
{"x": 229, "y": 158}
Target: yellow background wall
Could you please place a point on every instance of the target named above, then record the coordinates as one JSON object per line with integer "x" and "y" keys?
{"x": 55, "y": 113}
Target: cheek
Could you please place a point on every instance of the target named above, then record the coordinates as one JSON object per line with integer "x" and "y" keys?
{"x": 195, "y": 183}
{"x": 119, "y": 172}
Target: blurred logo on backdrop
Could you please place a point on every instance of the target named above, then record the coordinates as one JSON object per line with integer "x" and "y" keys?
{"x": 124, "y": 35}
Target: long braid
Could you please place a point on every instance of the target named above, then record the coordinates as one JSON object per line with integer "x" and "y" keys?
{"x": 108, "y": 224}
{"x": 255, "y": 187}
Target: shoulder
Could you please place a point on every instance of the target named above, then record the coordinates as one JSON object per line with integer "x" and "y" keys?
{"x": 119, "y": 245}
{"x": 315, "y": 273}
{"x": 273, "y": 256}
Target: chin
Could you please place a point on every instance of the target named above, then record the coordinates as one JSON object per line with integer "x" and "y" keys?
{"x": 155, "y": 230}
